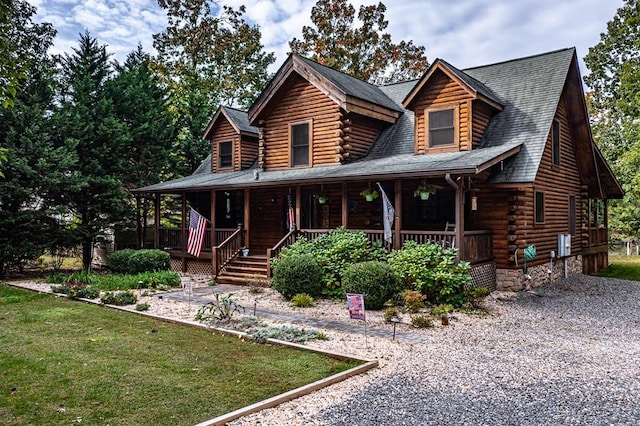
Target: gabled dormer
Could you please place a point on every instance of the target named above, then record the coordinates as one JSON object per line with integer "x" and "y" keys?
{"x": 452, "y": 110}
{"x": 312, "y": 115}
{"x": 234, "y": 143}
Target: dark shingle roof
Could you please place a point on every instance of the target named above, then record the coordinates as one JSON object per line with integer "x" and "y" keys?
{"x": 475, "y": 84}
{"x": 240, "y": 119}
{"x": 468, "y": 162}
{"x": 353, "y": 86}
{"x": 529, "y": 88}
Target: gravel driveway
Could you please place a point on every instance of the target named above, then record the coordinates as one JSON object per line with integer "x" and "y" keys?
{"x": 568, "y": 354}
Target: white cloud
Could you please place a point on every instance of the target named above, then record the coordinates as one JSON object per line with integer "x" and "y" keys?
{"x": 464, "y": 32}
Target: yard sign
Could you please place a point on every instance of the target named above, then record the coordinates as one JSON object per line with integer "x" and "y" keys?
{"x": 355, "y": 303}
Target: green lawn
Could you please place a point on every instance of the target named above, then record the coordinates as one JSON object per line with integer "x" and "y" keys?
{"x": 65, "y": 362}
{"x": 623, "y": 267}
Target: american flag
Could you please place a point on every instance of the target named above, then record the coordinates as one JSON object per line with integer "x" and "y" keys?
{"x": 197, "y": 228}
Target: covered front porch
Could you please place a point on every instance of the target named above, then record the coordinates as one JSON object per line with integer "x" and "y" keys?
{"x": 267, "y": 219}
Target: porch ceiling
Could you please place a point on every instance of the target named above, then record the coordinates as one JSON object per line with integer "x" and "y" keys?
{"x": 396, "y": 166}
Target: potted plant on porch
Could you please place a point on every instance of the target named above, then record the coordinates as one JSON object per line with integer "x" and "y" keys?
{"x": 322, "y": 198}
{"x": 244, "y": 251}
{"x": 369, "y": 194}
{"x": 424, "y": 190}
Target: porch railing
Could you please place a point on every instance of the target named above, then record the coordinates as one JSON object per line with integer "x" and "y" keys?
{"x": 172, "y": 237}
{"x": 445, "y": 238}
{"x": 286, "y": 241}
{"x": 227, "y": 250}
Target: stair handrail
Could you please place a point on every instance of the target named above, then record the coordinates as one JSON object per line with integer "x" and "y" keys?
{"x": 286, "y": 241}
{"x": 224, "y": 252}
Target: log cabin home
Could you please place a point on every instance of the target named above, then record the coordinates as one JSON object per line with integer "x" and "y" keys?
{"x": 504, "y": 152}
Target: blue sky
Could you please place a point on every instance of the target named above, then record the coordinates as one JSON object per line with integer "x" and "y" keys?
{"x": 465, "y": 33}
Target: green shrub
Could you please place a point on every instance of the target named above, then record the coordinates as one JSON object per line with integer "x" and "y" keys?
{"x": 421, "y": 321}
{"x": 413, "y": 301}
{"x": 162, "y": 280}
{"x": 297, "y": 274}
{"x": 334, "y": 252}
{"x": 374, "y": 279}
{"x": 441, "y": 310}
{"x": 260, "y": 331}
{"x": 475, "y": 295}
{"x": 56, "y": 278}
{"x": 76, "y": 290}
{"x": 119, "y": 298}
{"x": 223, "y": 308}
{"x": 302, "y": 300}
{"x": 390, "y": 313}
{"x": 432, "y": 270}
{"x": 140, "y": 307}
{"x": 130, "y": 261}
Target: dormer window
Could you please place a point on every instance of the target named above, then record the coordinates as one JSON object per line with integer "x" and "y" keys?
{"x": 225, "y": 155}
{"x": 442, "y": 127}
{"x": 300, "y": 142}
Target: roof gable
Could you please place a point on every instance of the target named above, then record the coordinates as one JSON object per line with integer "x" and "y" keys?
{"x": 237, "y": 118}
{"x": 474, "y": 87}
{"x": 350, "y": 93}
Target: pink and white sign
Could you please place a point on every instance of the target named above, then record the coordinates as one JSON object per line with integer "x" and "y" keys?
{"x": 355, "y": 303}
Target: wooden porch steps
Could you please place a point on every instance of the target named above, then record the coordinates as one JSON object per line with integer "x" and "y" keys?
{"x": 242, "y": 270}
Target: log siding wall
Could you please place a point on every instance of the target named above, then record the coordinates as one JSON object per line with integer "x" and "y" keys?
{"x": 224, "y": 132}
{"x": 359, "y": 134}
{"x": 244, "y": 148}
{"x": 299, "y": 100}
{"x": 481, "y": 114}
{"x": 440, "y": 92}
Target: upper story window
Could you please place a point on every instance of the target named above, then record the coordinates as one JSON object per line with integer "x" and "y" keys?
{"x": 225, "y": 155}
{"x": 555, "y": 142}
{"x": 539, "y": 207}
{"x": 441, "y": 127}
{"x": 300, "y": 142}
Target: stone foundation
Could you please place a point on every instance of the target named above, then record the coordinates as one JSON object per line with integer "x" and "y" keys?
{"x": 536, "y": 276}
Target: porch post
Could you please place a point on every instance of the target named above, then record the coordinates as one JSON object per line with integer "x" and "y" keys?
{"x": 397, "y": 237}
{"x": 184, "y": 232}
{"x": 214, "y": 243}
{"x": 247, "y": 197}
{"x": 458, "y": 186}
{"x": 460, "y": 220}
{"x": 345, "y": 207}
{"x": 156, "y": 221}
{"x": 298, "y": 205}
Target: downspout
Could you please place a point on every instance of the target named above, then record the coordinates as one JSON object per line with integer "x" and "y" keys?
{"x": 459, "y": 216}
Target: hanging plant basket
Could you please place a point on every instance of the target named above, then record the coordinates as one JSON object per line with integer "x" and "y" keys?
{"x": 424, "y": 190}
{"x": 369, "y": 194}
{"x": 322, "y": 198}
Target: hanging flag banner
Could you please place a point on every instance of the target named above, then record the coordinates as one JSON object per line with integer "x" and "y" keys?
{"x": 388, "y": 215}
{"x": 197, "y": 228}
{"x": 291, "y": 201}
{"x": 355, "y": 303}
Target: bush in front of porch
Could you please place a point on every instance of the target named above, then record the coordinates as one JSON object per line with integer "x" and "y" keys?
{"x": 334, "y": 252}
{"x": 431, "y": 270}
{"x": 297, "y": 274}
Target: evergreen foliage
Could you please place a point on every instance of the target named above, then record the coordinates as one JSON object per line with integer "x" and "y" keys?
{"x": 614, "y": 107}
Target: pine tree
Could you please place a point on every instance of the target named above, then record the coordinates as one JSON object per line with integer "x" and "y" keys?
{"x": 88, "y": 125}
{"x": 141, "y": 104}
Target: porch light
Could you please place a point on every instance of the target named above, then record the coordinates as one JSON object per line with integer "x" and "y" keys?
{"x": 474, "y": 203}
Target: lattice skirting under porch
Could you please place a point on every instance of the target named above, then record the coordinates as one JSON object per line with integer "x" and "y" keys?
{"x": 194, "y": 266}
{"x": 484, "y": 275}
